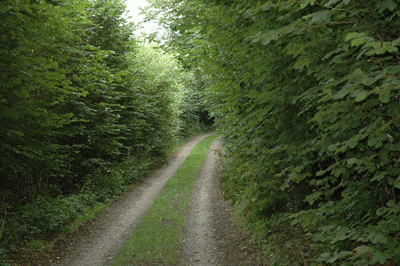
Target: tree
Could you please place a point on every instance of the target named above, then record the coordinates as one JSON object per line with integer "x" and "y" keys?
{"x": 304, "y": 93}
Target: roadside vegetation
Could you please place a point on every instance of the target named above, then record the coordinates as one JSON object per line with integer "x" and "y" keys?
{"x": 306, "y": 96}
{"x": 304, "y": 92}
{"x": 87, "y": 110}
{"x": 157, "y": 237}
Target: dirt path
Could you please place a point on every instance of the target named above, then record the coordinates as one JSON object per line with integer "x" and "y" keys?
{"x": 210, "y": 237}
{"x": 97, "y": 242}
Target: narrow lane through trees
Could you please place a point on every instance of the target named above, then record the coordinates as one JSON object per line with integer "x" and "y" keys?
{"x": 97, "y": 242}
{"x": 210, "y": 236}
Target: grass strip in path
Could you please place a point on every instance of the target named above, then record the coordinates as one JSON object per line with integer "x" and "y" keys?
{"x": 156, "y": 238}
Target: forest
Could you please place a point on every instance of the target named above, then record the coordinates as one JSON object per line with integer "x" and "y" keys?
{"x": 306, "y": 95}
{"x": 304, "y": 92}
{"x": 87, "y": 109}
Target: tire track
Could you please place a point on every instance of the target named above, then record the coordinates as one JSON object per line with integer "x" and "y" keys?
{"x": 210, "y": 235}
{"x": 199, "y": 246}
{"x": 96, "y": 243}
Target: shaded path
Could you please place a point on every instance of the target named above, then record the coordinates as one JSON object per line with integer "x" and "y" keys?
{"x": 211, "y": 237}
{"x": 199, "y": 245}
{"x": 97, "y": 242}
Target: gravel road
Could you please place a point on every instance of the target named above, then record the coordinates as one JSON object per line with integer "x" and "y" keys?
{"x": 210, "y": 237}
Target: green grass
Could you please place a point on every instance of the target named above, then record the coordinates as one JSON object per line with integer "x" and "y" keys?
{"x": 156, "y": 238}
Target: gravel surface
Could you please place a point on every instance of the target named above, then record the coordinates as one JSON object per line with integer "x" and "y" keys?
{"x": 210, "y": 237}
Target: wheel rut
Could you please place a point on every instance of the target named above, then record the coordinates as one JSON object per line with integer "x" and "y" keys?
{"x": 97, "y": 242}
{"x": 210, "y": 235}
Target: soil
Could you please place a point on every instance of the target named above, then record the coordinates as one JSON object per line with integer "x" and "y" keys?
{"x": 210, "y": 237}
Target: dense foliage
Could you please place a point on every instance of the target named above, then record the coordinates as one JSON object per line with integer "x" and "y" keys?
{"x": 86, "y": 110}
{"x": 306, "y": 94}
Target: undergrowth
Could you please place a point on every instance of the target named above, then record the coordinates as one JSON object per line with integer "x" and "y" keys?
{"x": 281, "y": 243}
{"x": 32, "y": 229}
{"x": 266, "y": 214}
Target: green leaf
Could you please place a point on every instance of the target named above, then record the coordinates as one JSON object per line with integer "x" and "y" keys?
{"x": 332, "y": 147}
{"x": 396, "y": 42}
{"x": 381, "y": 211}
{"x": 359, "y": 41}
{"x": 361, "y": 96}
{"x": 356, "y": 73}
{"x": 397, "y": 183}
{"x": 381, "y": 257}
{"x": 395, "y": 147}
{"x": 352, "y": 161}
{"x": 353, "y": 35}
{"x": 313, "y": 197}
{"x": 341, "y": 94}
{"x": 379, "y": 176}
{"x": 248, "y": 14}
{"x": 318, "y": 237}
{"x": 380, "y": 50}
{"x": 300, "y": 64}
{"x": 394, "y": 69}
{"x": 379, "y": 238}
{"x": 387, "y": 5}
{"x": 390, "y": 47}
{"x": 384, "y": 96}
{"x": 322, "y": 16}
{"x": 372, "y": 141}
{"x": 307, "y": 2}
{"x": 339, "y": 255}
{"x": 325, "y": 255}
{"x": 266, "y": 40}
{"x": 331, "y": 2}
{"x": 84, "y": 93}
{"x": 362, "y": 250}
{"x": 339, "y": 171}
{"x": 369, "y": 81}
{"x": 353, "y": 142}
{"x": 391, "y": 203}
